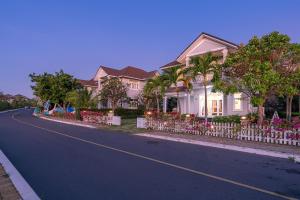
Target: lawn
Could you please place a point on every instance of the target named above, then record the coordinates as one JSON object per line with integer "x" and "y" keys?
{"x": 128, "y": 126}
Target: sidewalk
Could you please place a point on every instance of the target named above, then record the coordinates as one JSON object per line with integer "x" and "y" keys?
{"x": 12, "y": 184}
{"x": 7, "y": 188}
{"x": 266, "y": 149}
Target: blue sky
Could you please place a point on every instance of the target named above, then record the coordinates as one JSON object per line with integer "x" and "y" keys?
{"x": 78, "y": 36}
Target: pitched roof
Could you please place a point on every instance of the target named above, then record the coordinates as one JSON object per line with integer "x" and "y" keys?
{"x": 88, "y": 83}
{"x": 173, "y": 89}
{"x": 129, "y": 71}
{"x": 209, "y": 35}
{"x": 171, "y": 64}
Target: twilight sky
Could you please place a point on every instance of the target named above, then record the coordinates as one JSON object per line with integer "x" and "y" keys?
{"x": 79, "y": 35}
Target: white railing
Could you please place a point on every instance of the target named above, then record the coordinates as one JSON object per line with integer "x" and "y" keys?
{"x": 227, "y": 130}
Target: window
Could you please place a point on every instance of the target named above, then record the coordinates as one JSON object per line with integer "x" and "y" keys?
{"x": 133, "y": 104}
{"x": 220, "y": 107}
{"x": 237, "y": 101}
{"x": 214, "y": 107}
{"x": 134, "y": 85}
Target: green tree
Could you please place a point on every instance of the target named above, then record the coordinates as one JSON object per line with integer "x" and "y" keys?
{"x": 155, "y": 86}
{"x": 53, "y": 87}
{"x": 172, "y": 76}
{"x": 113, "y": 91}
{"x": 204, "y": 67}
{"x": 254, "y": 69}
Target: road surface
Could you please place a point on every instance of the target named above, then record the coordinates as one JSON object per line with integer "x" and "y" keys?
{"x": 67, "y": 162}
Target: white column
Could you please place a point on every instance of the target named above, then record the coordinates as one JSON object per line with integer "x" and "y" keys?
{"x": 225, "y": 53}
{"x": 187, "y": 61}
{"x": 188, "y": 109}
{"x": 165, "y": 104}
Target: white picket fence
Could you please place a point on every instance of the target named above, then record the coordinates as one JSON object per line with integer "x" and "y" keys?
{"x": 225, "y": 130}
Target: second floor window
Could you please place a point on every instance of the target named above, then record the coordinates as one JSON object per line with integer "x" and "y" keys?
{"x": 134, "y": 85}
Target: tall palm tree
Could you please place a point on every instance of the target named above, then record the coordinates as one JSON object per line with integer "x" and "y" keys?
{"x": 204, "y": 66}
{"x": 187, "y": 82}
{"x": 172, "y": 76}
{"x": 155, "y": 86}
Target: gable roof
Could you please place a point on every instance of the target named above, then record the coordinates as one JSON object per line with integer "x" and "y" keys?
{"x": 130, "y": 72}
{"x": 91, "y": 83}
{"x": 171, "y": 64}
{"x": 203, "y": 34}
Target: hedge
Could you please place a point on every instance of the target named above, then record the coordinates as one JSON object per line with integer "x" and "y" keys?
{"x": 227, "y": 119}
{"x": 123, "y": 112}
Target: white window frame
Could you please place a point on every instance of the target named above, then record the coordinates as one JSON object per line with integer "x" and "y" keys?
{"x": 237, "y": 97}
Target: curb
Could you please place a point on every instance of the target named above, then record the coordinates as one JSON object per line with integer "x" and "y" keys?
{"x": 24, "y": 189}
{"x": 6, "y": 111}
{"x": 228, "y": 147}
{"x": 64, "y": 122}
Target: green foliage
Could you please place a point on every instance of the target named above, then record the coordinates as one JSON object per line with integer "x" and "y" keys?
{"x": 170, "y": 77}
{"x": 53, "y": 87}
{"x": 257, "y": 68}
{"x": 81, "y": 98}
{"x": 4, "y": 105}
{"x": 204, "y": 66}
{"x": 113, "y": 91}
{"x": 227, "y": 119}
{"x": 129, "y": 113}
{"x": 123, "y": 112}
{"x": 154, "y": 87}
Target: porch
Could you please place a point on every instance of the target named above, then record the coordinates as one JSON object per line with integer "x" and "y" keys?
{"x": 194, "y": 102}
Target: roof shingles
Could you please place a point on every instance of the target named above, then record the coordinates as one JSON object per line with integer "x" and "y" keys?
{"x": 129, "y": 71}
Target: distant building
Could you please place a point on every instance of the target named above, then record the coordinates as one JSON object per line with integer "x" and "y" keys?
{"x": 134, "y": 78}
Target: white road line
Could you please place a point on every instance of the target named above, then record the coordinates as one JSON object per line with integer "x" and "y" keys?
{"x": 162, "y": 162}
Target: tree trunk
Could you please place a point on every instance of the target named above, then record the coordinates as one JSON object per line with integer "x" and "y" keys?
{"x": 178, "y": 103}
{"x": 157, "y": 103}
{"x": 289, "y": 101}
{"x": 260, "y": 115}
{"x": 205, "y": 103}
{"x": 299, "y": 104}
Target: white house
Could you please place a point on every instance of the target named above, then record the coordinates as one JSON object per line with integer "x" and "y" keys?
{"x": 218, "y": 103}
{"x": 134, "y": 78}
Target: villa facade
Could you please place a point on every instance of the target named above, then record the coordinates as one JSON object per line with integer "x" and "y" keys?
{"x": 132, "y": 77}
{"x": 193, "y": 102}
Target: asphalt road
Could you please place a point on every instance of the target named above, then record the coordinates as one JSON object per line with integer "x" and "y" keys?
{"x": 68, "y": 162}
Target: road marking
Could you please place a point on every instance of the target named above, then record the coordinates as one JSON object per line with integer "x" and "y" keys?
{"x": 161, "y": 162}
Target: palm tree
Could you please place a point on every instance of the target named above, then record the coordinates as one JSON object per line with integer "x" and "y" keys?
{"x": 155, "y": 86}
{"x": 187, "y": 81}
{"x": 172, "y": 76}
{"x": 204, "y": 66}
{"x": 81, "y": 98}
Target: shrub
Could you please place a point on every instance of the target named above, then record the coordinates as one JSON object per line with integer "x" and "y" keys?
{"x": 4, "y": 105}
{"x": 227, "y": 119}
{"x": 123, "y": 112}
{"x": 129, "y": 113}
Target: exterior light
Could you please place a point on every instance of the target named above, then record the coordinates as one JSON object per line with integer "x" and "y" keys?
{"x": 187, "y": 115}
{"x": 110, "y": 111}
{"x": 243, "y": 117}
{"x": 149, "y": 113}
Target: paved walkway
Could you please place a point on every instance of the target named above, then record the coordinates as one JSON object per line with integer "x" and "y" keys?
{"x": 7, "y": 189}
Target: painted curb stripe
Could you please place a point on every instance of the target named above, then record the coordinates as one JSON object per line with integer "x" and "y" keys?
{"x": 24, "y": 189}
{"x": 161, "y": 162}
{"x": 69, "y": 123}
